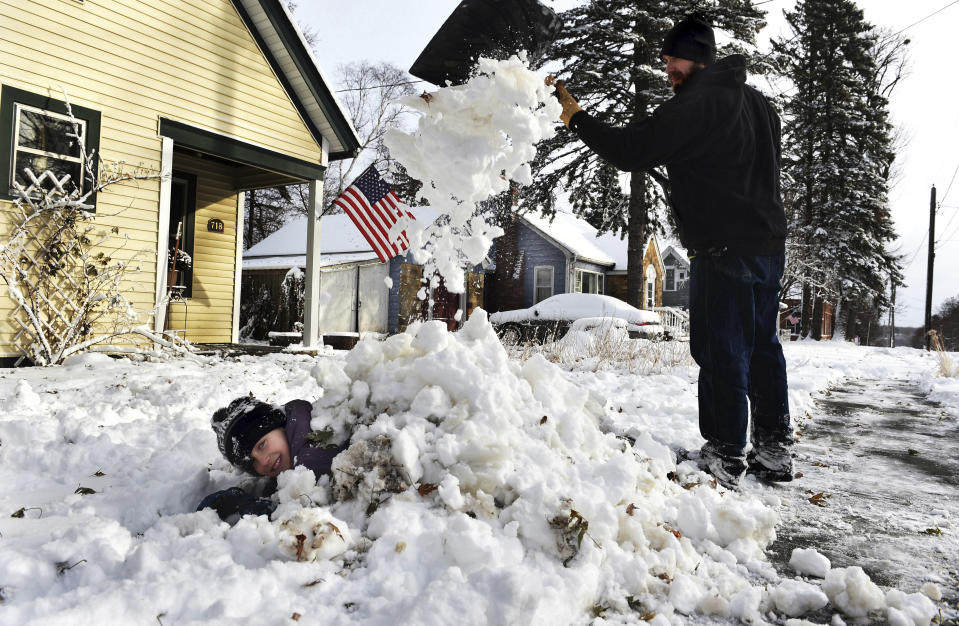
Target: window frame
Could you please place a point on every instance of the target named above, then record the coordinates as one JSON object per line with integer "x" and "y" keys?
{"x": 536, "y": 282}
{"x": 188, "y": 236}
{"x": 579, "y": 277}
{"x": 12, "y": 101}
{"x": 670, "y": 278}
{"x": 651, "y": 275}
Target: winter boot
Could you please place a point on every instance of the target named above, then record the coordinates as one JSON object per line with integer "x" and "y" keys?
{"x": 771, "y": 461}
{"x": 723, "y": 463}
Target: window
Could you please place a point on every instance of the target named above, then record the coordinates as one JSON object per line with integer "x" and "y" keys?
{"x": 40, "y": 136}
{"x": 45, "y": 141}
{"x": 542, "y": 283}
{"x": 588, "y": 282}
{"x": 650, "y": 286}
{"x": 670, "y": 284}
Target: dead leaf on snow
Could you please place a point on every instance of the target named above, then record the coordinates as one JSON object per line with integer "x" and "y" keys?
{"x": 300, "y": 541}
{"x": 426, "y": 489}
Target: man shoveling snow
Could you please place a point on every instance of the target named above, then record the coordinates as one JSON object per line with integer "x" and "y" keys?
{"x": 720, "y": 142}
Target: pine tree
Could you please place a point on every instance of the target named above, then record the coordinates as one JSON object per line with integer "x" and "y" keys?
{"x": 837, "y": 160}
{"x": 609, "y": 50}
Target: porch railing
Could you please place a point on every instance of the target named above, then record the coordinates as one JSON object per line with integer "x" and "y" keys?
{"x": 675, "y": 320}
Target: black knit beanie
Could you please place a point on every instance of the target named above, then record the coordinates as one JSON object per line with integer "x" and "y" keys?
{"x": 241, "y": 424}
{"x": 692, "y": 38}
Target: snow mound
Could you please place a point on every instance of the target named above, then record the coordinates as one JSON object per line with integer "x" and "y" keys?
{"x": 502, "y": 470}
{"x": 852, "y": 591}
{"x": 313, "y": 534}
{"x": 809, "y": 562}
{"x": 795, "y": 598}
{"x": 909, "y": 609}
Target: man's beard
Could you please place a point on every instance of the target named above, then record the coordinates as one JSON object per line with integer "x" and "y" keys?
{"x": 684, "y": 78}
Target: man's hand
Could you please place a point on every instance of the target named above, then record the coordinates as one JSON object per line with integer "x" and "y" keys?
{"x": 570, "y": 106}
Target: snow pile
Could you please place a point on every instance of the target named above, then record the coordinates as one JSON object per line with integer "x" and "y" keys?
{"x": 505, "y": 473}
{"x": 809, "y": 562}
{"x": 795, "y": 597}
{"x": 470, "y": 142}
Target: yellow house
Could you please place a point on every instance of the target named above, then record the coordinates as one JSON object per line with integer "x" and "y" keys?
{"x": 220, "y": 96}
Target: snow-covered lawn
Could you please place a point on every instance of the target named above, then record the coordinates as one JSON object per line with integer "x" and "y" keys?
{"x": 538, "y": 494}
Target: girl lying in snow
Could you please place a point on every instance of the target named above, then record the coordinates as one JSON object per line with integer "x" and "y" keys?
{"x": 263, "y": 440}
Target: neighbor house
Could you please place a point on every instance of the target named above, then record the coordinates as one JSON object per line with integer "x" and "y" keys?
{"x": 221, "y": 96}
{"x": 352, "y": 277}
{"x": 564, "y": 254}
{"x": 676, "y": 281}
{"x": 360, "y": 293}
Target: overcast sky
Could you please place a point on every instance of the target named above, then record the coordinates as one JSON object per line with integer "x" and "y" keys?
{"x": 925, "y": 106}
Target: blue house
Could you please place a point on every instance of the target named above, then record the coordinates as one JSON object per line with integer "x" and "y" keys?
{"x": 564, "y": 254}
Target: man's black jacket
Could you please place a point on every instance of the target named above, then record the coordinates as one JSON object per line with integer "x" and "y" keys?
{"x": 720, "y": 142}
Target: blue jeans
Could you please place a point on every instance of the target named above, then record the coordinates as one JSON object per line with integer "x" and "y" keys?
{"x": 733, "y": 309}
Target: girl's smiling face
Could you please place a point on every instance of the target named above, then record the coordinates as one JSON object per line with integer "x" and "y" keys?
{"x": 271, "y": 454}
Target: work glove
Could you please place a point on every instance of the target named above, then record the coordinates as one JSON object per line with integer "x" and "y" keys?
{"x": 568, "y": 102}
{"x": 236, "y": 502}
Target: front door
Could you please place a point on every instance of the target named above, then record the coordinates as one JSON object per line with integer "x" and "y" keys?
{"x": 180, "y": 241}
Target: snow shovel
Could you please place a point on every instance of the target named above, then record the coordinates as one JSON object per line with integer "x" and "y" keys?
{"x": 488, "y": 28}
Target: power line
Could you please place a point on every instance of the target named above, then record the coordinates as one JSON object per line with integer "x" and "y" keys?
{"x": 922, "y": 20}
{"x": 918, "y": 248}
{"x": 956, "y": 171}
{"x": 407, "y": 82}
{"x": 949, "y": 236}
{"x": 956, "y": 212}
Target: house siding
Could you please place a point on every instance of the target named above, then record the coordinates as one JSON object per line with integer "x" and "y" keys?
{"x": 191, "y": 61}
{"x": 538, "y": 252}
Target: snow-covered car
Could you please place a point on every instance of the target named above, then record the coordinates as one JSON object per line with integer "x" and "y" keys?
{"x": 551, "y": 319}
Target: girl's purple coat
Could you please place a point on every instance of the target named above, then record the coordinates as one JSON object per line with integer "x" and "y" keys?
{"x": 298, "y": 415}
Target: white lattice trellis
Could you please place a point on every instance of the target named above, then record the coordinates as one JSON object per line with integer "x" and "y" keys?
{"x": 46, "y": 242}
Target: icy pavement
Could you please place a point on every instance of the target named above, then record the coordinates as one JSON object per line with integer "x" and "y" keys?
{"x": 883, "y": 458}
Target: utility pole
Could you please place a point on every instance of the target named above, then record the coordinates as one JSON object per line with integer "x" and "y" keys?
{"x": 892, "y": 314}
{"x": 932, "y": 256}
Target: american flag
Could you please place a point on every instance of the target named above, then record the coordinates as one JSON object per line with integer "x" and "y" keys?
{"x": 375, "y": 208}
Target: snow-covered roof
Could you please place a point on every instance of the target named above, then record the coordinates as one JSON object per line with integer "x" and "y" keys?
{"x": 340, "y": 242}
{"x": 283, "y": 262}
{"x": 576, "y": 235}
{"x": 579, "y": 237}
{"x": 678, "y": 253}
{"x": 285, "y": 48}
{"x": 338, "y": 234}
